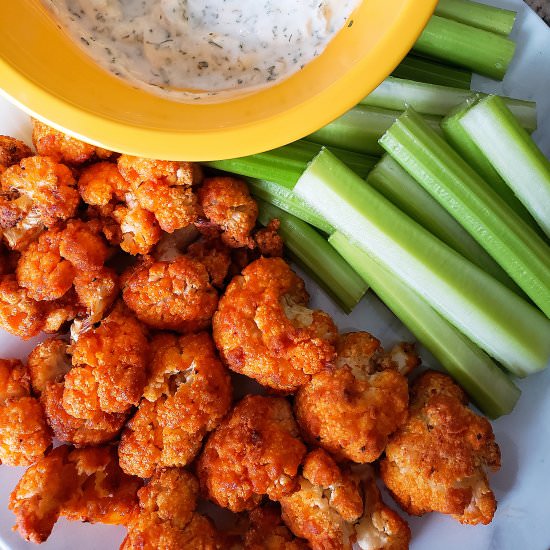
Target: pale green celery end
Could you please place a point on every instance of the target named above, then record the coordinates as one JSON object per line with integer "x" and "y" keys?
{"x": 319, "y": 259}
{"x": 450, "y": 180}
{"x": 489, "y": 387}
{"x": 481, "y": 51}
{"x": 485, "y": 17}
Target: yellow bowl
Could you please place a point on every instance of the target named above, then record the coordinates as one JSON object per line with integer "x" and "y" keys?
{"x": 45, "y": 74}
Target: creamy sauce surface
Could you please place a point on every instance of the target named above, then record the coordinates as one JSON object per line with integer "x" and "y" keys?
{"x": 186, "y": 49}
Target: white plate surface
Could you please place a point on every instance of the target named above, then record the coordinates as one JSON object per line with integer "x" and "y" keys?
{"x": 522, "y": 487}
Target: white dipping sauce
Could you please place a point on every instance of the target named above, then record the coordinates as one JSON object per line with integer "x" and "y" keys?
{"x": 183, "y": 49}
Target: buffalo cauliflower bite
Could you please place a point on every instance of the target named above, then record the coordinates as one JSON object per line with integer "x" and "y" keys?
{"x": 352, "y": 409}
{"x": 62, "y": 148}
{"x": 214, "y": 255}
{"x": 164, "y": 188}
{"x": 229, "y": 209}
{"x": 380, "y": 527}
{"x": 12, "y": 151}
{"x": 255, "y": 451}
{"x": 79, "y": 484}
{"x": 436, "y": 462}
{"x": 24, "y": 434}
{"x": 167, "y": 518}
{"x": 264, "y": 329}
{"x": 268, "y": 241}
{"x": 325, "y": 506}
{"x": 116, "y": 353}
{"x": 188, "y": 393}
{"x": 34, "y": 194}
{"x": 175, "y": 295}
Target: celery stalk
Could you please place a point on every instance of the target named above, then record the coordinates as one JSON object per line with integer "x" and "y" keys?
{"x": 513, "y": 154}
{"x": 281, "y": 197}
{"x": 398, "y": 94}
{"x": 508, "y": 328}
{"x": 389, "y": 179}
{"x": 286, "y": 164}
{"x": 317, "y": 257}
{"x": 488, "y": 386}
{"x": 475, "y": 49}
{"x": 515, "y": 246}
{"x": 360, "y": 129}
{"x": 478, "y": 15}
{"x": 432, "y": 72}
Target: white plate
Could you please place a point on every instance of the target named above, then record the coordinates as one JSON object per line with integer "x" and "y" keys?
{"x": 522, "y": 486}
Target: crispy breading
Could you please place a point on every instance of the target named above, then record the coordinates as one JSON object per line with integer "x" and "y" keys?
{"x": 188, "y": 393}
{"x": 255, "y": 451}
{"x": 268, "y": 241}
{"x": 24, "y": 434}
{"x": 437, "y": 461}
{"x": 117, "y": 351}
{"x": 380, "y": 527}
{"x": 138, "y": 170}
{"x": 36, "y": 193}
{"x": 352, "y": 409}
{"x": 139, "y": 229}
{"x": 175, "y": 295}
{"x": 52, "y": 143}
{"x": 80, "y": 484}
{"x": 167, "y": 518}
{"x": 326, "y": 504}
{"x": 214, "y": 255}
{"x": 12, "y": 151}
{"x": 229, "y": 209}
{"x": 264, "y": 329}
{"x": 267, "y": 531}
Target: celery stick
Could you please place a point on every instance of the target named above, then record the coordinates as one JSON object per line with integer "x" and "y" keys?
{"x": 317, "y": 257}
{"x": 360, "y": 129}
{"x": 508, "y": 328}
{"x": 286, "y": 200}
{"x": 488, "y": 386}
{"x": 389, "y": 179}
{"x": 478, "y": 15}
{"x": 471, "y": 153}
{"x": 432, "y": 72}
{"x": 286, "y": 164}
{"x": 515, "y": 246}
{"x": 398, "y": 94}
{"x": 480, "y": 51}
{"x": 513, "y": 153}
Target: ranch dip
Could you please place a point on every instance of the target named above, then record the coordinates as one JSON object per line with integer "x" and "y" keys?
{"x": 185, "y": 49}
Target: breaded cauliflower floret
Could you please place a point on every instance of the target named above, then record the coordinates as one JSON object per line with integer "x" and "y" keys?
{"x": 229, "y": 209}
{"x": 62, "y": 148}
{"x": 380, "y": 527}
{"x": 255, "y": 451}
{"x": 36, "y": 193}
{"x": 264, "y": 329}
{"x": 167, "y": 518}
{"x": 48, "y": 364}
{"x": 214, "y": 255}
{"x": 24, "y": 434}
{"x": 326, "y": 504}
{"x": 164, "y": 188}
{"x": 188, "y": 393}
{"x": 175, "y": 295}
{"x": 352, "y": 409}
{"x": 267, "y": 531}
{"x": 268, "y": 240}
{"x": 117, "y": 354}
{"x": 12, "y": 151}
{"x": 79, "y": 484}
{"x": 436, "y": 462}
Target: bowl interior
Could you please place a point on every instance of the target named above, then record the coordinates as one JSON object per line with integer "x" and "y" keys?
{"x": 42, "y": 71}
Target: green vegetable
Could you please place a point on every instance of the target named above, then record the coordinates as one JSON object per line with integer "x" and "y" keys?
{"x": 317, "y": 257}
{"x": 513, "y": 154}
{"x": 509, "y": 329}
{"x": 286, "y": 164}
{"x": 515, "y": 246}
{"x": 488, "y": 386}
{"x": 389, "y": 179}
{"x": 398, "y": 94}
{"x": 475, "y": 49}
{"x": 432, "y": 72}
{"x": 478, "y": 15}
